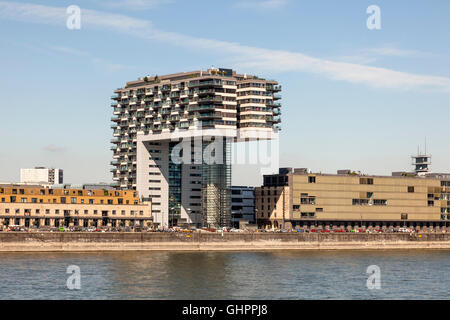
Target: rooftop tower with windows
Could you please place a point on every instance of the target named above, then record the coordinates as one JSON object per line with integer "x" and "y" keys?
{"x": 422, "y": 162}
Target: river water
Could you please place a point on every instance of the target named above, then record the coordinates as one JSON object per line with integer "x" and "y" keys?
{"x": 227, "y": 275}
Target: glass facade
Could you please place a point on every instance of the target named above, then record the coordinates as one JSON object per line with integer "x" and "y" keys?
{"x": 216, "y": 188}
{"x": 174, "y": 189}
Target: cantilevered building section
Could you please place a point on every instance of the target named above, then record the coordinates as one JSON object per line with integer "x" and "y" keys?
{"x": 201, "y": 113}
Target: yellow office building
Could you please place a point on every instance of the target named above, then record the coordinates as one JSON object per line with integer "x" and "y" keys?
{"x": 29, "y": 206}
{"x": 296, "y": 197}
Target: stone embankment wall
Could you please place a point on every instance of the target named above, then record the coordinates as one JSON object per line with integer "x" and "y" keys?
{"x": 48, "y": 241}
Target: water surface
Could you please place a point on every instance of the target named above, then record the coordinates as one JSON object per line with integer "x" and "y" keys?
{"x": 405, "y": 274}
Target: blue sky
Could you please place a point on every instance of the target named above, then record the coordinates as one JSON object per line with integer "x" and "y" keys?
{"x": 352, "y": 97}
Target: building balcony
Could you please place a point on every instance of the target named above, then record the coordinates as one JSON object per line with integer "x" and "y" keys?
{"x": 208, "y": 115}
{"x": 276, "y": 88}
{"x": 276, "y": 120}
{"x": 277, "y": 96}
{"x": 205, "y": 83}
{"x": 210, "y": 99}
{"x": 183, "y": 125}
{"x": 115, "y": 96}
{"x": 202, "y": 107}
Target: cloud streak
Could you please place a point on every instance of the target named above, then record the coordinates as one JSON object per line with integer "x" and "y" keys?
{"x": 54, "y": 149}
{"x": 261, "y": 4}
{"x": 239, "y": 55}
{"x": 136, "y": 4}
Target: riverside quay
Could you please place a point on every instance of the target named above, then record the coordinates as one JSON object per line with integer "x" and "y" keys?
{"x": 37, "y": 206}
{"x": 297, "y": 198}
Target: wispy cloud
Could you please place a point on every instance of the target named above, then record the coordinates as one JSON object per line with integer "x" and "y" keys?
{"x": 370, "y": 55}
{"x": 261, "y": 4}
{"x": 237, "y": 54}
{"x": 110, "y": 67}
{"x": 53, "y": 148}
{"x": 70, "y": 51}
{"x": 136, "y": 4}
{"x": 392, "y": 52}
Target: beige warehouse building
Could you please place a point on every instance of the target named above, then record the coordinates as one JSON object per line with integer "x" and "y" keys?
{"x": 296, "y": 197}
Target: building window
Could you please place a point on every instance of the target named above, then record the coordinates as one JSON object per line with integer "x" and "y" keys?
{"x": 73, "y": 200}
{"x": 319, "y": 209}
{"x": 430, "y": 203}
{"x": 366, "y": 181}
{"x": 47, "y": 211}
{"x": 114, "y": 212}
{"x": 91, "y": 201}
{"x": 311, "y": 179}
{"x": 63, "y": 200}
{"x": 360, "y": 202}
{"x": 141, "y": 213}
{"x": 379, "y": 202}
{"x": 95, "y": 211}
{"x": 57, "y": 211}
{"x": 404, "y": 216}
{"x": 37, "y": 211}
{"x": 410, "y": 189}
{"x": 296, "y": 207}
{"x": 6, "y": 210}
{"x": 123, "y": 212}
{"x": 23, "y": 200}
{"x": 308, "y": 200}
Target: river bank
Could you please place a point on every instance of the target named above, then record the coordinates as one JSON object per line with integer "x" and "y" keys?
{"x": 79, "y": 242}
